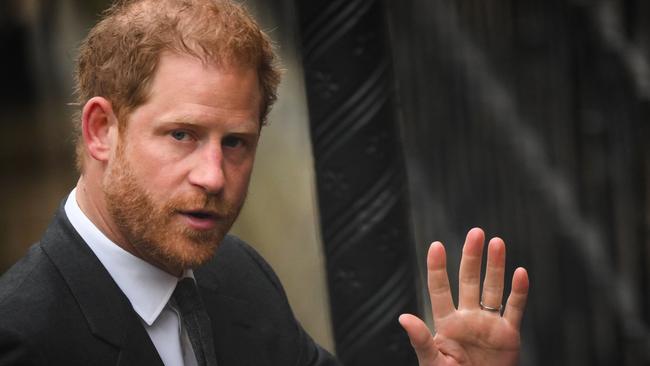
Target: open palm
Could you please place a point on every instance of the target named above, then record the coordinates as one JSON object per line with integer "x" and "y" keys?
{"x": 475, "y": 333}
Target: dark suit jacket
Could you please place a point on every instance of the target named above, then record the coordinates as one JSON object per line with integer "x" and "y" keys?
{"x": 59, "y": 306}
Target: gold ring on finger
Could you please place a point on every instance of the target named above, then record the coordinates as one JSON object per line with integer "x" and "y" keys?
{"x": 491, "y": 309}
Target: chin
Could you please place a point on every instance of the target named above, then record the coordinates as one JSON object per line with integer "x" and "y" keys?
{"x": 192, "y": 254}
{"x": 180, "y": 252}
{"x": 196, "y": 256}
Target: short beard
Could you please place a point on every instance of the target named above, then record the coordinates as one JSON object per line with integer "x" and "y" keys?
{"x": 152, "y": 228}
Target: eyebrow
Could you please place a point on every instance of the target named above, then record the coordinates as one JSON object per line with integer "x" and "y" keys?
{"x": 192, "y": 122}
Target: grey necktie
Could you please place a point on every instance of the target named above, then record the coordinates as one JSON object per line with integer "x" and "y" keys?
{"x": 196, "y": 321}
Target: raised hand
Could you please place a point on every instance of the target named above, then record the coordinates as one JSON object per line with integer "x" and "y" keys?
{"x": 475, "y": 333}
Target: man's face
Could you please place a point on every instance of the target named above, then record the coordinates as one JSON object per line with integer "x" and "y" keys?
{"x": 179, "y": 175}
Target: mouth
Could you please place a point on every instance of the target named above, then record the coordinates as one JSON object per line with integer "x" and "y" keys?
{"x": 200, "y": 214}
{"x": 200, "y": 219}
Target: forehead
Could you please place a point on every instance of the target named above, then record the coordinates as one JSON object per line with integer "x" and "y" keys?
{"x": 189, "y": 73}
{"x": 186, "y": 89}
{"x": 184, "y": 78}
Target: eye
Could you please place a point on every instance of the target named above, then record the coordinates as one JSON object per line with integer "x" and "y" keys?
{"x": 180, "y": 135}
{"x": 232, "y": 141}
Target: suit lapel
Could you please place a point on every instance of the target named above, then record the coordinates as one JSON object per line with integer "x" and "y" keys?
{"x": 234, "y": 324}
{"x": 108, "y": 312}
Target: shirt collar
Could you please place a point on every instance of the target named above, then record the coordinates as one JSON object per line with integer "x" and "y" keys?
{"x": 147, "y": 287}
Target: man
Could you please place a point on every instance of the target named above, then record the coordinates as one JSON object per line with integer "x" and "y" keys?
{"x": 136, "y": 267}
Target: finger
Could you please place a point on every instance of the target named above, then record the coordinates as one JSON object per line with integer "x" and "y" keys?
{"x": 493, "y": 284}
{"x": 421, "y": 338}
{"x": 470, "y": 270}
{"x": 517, "y": 299}
{"x": 439, "y": 290}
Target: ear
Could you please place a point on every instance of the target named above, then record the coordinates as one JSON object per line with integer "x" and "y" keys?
{"x": 99, "y": 128}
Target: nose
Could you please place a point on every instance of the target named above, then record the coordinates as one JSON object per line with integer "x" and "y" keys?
{"x": 207, "y": 172}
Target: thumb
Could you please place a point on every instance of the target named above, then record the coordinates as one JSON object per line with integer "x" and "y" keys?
{"x": 421, "y": 338}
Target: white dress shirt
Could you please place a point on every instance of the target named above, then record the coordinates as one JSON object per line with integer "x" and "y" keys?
{"x": 147, "y": 287}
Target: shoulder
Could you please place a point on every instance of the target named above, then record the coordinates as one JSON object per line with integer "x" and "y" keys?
{"x": 38, "y": 309}
{"x": 249, "y": 254}
{"x": 31, "y": 287}
{"x": 16, "y": 349}
{"x": 29, "y": 291}
{"x": 26, "y": 280}
{"x": 237, "y": 268}
{"x": 240, "y": 274}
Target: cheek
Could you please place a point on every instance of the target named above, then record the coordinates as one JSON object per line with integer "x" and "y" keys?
{"x": 240, "y": 176}
{"x": 165, "y": 180}
{"x": 158, "y": 167}
{"x": 159, "y": 179}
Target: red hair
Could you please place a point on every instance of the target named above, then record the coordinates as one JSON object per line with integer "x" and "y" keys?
{"x": 119, "y": 57}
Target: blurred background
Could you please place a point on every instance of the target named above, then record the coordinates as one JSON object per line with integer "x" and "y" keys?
{"x": 527, "y": 118}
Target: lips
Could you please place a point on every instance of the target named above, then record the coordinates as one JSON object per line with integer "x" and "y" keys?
{"x": 200, "y": 219}
{"x": 200, "y": 214}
